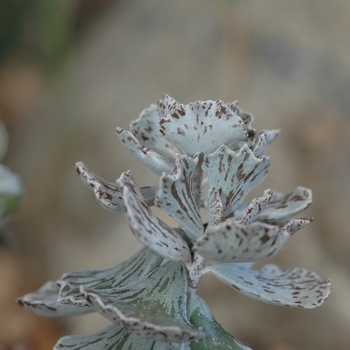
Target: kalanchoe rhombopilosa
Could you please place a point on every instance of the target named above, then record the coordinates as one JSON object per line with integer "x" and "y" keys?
{"x": 154, "y": 305}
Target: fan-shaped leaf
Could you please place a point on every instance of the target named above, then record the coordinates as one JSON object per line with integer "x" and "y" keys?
{"x": 234, "y": 174}
{"x": 153, "y": 308}
{"x": 200, "y": 126}
{"x": 176, "y": 195}
{"x": 264, "y": 139}
{"x": 128, "y": 272}
{"x": 296, "y": 287}
{"x": 230, "y": 241}
{"x": 113, "y": 337}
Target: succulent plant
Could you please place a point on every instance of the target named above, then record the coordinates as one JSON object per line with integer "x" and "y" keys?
{"x": 151, "y": 299}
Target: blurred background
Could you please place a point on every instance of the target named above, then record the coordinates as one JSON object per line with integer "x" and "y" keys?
{"x": 73, "y": 70}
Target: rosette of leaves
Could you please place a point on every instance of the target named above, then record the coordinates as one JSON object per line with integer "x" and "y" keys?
{"x": 208, "y": 155}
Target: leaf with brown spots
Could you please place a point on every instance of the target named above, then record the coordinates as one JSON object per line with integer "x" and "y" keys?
{"x": 154, "y": 308}
{"x": 256, "y": 207}
{"x": 200, "y": 126}
{"x": 108, "y": 194}
{"x": 152, "y": 159}
{"x": 283, "y": 206}
{"x": 295, "y": 287}
{"x": 231, "y": 241}
{"x": 176, "y": 196}
{"x": 147, "y": 228}
{"x": 44, "y": 302}
{"x": 146, "y": 130}
{"x": 264, "y": 139}
{"x": 233, "y": 175}
{"x": 128, "y": 272}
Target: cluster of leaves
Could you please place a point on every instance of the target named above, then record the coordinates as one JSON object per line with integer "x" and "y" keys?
{"x": 151, "y": 298}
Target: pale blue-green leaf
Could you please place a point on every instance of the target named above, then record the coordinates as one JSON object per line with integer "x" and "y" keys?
{"x": 146, "y": 130}
{"x": 216, "y": 337}
{"x": 215, "y": 207}
{"x": 128, "y": 272}
{"x": 231, "y": 241}
{"x": 234, "y": 174}
{"x": 44, "y": 303}
{"x": 283, "y": 206}
{"x": 158, "y": 345}
{"x": 176, "y": 195}
{"x": 264, "y": 139}
{"x": 152, "y": 159}
{"x": 108, "y": 194}
{"x": 256, "y": 207}
{"x": 200, "y": 126}
{"x": 154, "y": 308}
{"x": 111, "y": 338}
{"x": 295, "y": 287}
{"x": 10, "y": 194}
{"x": 147, "y": 228}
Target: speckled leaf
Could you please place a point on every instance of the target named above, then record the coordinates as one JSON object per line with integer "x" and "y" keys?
{"x": 200, "y": 126}
{"x": 154, "y": 308}
{"x": 108, "y": 194}
{"x": 256, "y": 207}
{"x": 44, "y": 303}
{"x": 230, "y": 241}
{"x": 296, "y": 287}
{"x": 283, "y": 206}
{"x": 176, "y": 196}
{"x": 113, "y": 337}
{"x": 264, "y": 139}
{"x": 10, "y": 194}
{"x": 215, "y": 208}
{"x": 146, "y": 130}
{"x": 234, "y": 174}
{"x": 147, "y": 228}
{"x": 152, "y": 159}
{"x": 128, "y": 272}
{"x": 216, "y": 337}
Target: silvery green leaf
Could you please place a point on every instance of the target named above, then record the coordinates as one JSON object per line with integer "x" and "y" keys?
{"x": 147, "y": 228}
{"x": 215, "y": 207}
{"x": 231, "y": 241}
{"x": 256, "y": 207}
{"x": 176, "y": 196}
{"x": 216, "y": 337}
{"x": 44, "y": 303}
{"x": 4, "y": 139}
{"x": 264, "y": 139}
{"x": 283, "y": 206}
{"x": 154, "y": 308}
{"x": 295, "y": 287}
{"x": 111, "y": 338}
{"x": 152, "y": 159}
{"x": 200, "y": 126}
{"x": 158, "y": 345}
{"x": 146, "y": 130}
{"x": 108, "y": 194}
{"x": 10, "y": 194}
{"x": 234, "y": 174}
{"x": 128, "y": 272}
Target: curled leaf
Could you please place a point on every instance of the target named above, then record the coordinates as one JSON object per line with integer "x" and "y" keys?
{"x": 154, "y": 308}
{"x": 128, "y": 272}
{"x": 44, "y": 303}
{"x": 147, "y": 228}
